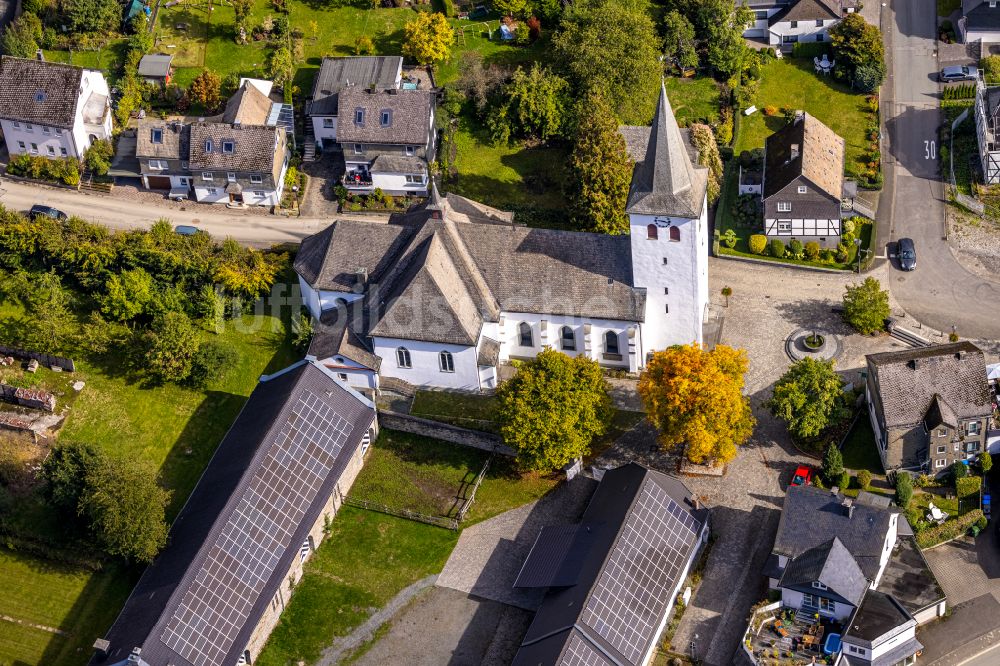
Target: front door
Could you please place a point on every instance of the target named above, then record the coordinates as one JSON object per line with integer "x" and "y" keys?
{"x": 235, "y": 198}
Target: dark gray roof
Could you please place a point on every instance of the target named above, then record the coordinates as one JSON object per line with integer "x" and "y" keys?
{"x": 810, "y": 10}
{"x": 174, "y": 139}
{"x": 338, "y": 73}
{"x": 37, "y": 91}
{"x": 666, "y": 182}
{"x": 641, "y": 531}
{"x": 340, "y": 332}
{"x": 398, "y": 164}
{"x": 155, "y": 65}
{"x": 829, "y": 563}
{"x": 980, "y": 16}
{"x": 811, "y": 517}
{"x": 409, "y": 116}
{"x": 908, "y": 381}
{"x": 804, "y": 147}
{"x": 909, "y": 579}
{"x": 153, "y": 613}
{"x": 556, "y": 556}
{"x": 878, "y": 618}
{"x": 256, "y": 148}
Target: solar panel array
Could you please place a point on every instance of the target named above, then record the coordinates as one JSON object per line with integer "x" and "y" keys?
{"x": 243, "y": 558}
{"x": 627, "y": 603}
{"x": 579, "y": 652}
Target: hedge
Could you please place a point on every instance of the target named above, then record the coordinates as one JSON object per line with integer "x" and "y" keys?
{"x": 967, "y": 487}
{"x": 65, "y": 170}
{"x": 950, "y": 529}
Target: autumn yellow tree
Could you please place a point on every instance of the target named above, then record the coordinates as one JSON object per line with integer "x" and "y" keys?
{"x": 694, "y": 397}
{"x": 428, "y": 38}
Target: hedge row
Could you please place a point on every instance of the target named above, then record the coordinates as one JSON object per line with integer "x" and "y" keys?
{"x": 948, "y": 530}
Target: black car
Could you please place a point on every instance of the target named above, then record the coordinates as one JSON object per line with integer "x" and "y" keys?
{"x": 907, "y": 254}
{"x": 38, "y": 210}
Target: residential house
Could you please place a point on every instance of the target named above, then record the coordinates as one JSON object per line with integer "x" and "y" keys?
{"x": 51, "y": 109}
{"x": 237, "y": 548}
{"x": 444, "y": 293}
{"x": 237, "y": 158}
{"x": 613, "y": 579}
{"x": 929, "y": 407}
{"x": 803, "y": 182}
{"x": 851, "y": 567}
{"x": 987, "y": 112}
{"x": 154, "y": 69}
{"x": 980, "y": 21}
{"x": 782, "y": 23}
{"x": 335, "y": 74}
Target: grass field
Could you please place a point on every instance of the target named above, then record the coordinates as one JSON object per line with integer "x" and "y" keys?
{"x": 367, "y": 558}
{"x": 468, "y": 410}
{"x": 693, "y": 99}
{"x": 860, "y": 450}
{"x": 792, "y": 83}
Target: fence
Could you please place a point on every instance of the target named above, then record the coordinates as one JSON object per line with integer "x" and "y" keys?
{"x": 973, "y": 204}
{"x": 439, "y": 521}
{"x": 475, "y": 486}
{"x": 45, "y": 359}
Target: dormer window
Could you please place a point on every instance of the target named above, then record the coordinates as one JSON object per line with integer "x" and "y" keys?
{"x": 818, "y": 585}
{"x": 228, "y": 147}
{"x": 208, "y": 145}
{"x": 156, "y": 135}
{"x": 386, "y": 118}
{"x": 40, "y": 96}
{"x": 359, "y": 116}
{"x": 784, "y": 207}
{"x": 410, "y": 150}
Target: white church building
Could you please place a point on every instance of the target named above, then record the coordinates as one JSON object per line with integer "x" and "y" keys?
{"x": 445, "y": 293}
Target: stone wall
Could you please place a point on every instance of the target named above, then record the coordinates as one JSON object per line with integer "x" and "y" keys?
{"x": 427, "y": 428}
{"x": 33, "y": 398}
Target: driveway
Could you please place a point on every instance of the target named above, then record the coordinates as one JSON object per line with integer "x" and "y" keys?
{"x": 940, "y": 293}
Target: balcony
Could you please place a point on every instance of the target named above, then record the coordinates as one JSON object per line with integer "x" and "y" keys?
{"x": 784, "y": 636}
{"x": 358, "y": 181}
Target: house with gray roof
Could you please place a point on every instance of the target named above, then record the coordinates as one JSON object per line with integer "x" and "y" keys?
{"x": 50, "y": 109}
{"x": 237, "y": 548}
{"x": 929, "y": 407}
{"x": 987, "y": 112}
{"x": 980, "y": 22}
{"x": 782, "y": 23}
{"x": 612, "y": 580}
{"x": 238, "y": 157}
{"x": 445, "y": 293}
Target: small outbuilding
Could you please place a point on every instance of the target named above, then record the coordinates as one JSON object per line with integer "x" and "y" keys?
{"x": 155, "y": 68}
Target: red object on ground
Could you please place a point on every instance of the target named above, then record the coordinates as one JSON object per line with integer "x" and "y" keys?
{"x": 803, "y": 476}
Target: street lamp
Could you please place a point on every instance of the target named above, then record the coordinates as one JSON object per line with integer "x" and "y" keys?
{"x": 857, "y": 244}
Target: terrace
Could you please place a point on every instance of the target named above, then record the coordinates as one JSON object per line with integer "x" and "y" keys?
{"x": 358, "y": 180}
{"x": 787, "y": 637}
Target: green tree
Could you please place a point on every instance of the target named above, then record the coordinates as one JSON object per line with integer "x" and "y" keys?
{"x": 724, "y": 27}
{"x": 510, "y": 7}
{"x": 428, "y": 38}
{"x": 478, "y": 81}
{"x": 679, "y": 40}
{"x": 211, "y": 362}
{"x": 364, "y": 46}
{"x": 98, "y": 157}
{"x": 553, "y": 408}
{"x": 65, "y": 472}
{"x": 959, "y": 470}
{"x": 614, "y": 49}
{"x": 600, "y": 169}
{"x": 206, "y": 89}
{"x": 904, "y": 489}
{"x": 864, "y": 479}
{"x": 866, "y": 306}
{"x": 535, "y": 104}
{"x": 128, "y": 295}
{"x": 302, "y": 332}
{"x": 170, "y": 346}
{"x": 22, "y": 36}
{"x": 833, "y": 465}
{"x": 858, "y": 49}
{"x": 51, "y": 323}
{"x": 281, "y": 65}
{"x": 93, "y": 16}
{"x": 694, "y": 397}
{"x": 809, "y": 398}
{"x": 125, "y": 508}
{"x": 985, "y": 462}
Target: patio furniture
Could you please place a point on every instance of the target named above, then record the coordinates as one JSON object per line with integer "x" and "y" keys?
{"x": 935, "y": 514}
{"x": 779, "y": 628}
{"x": 809, "y": 642}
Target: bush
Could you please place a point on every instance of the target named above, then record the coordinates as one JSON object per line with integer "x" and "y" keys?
{"x": 758, "y": 243}
{"x": 746, "y": 211}
{"x": 967, "y": 487}
{"x": 724, "y": 129}
{"x": 948, "y": 530}
{"x": 810, "y": 49}
{"x": 211, "y": 362}
{"x": 828, "y": 256}
{"x": 812, "y": 250}
{"x": 991, "y": 68}
{"x": 843, "y": 253}
{"x": 904, "y": 489}
{"x": 795, "y": 248}
{"x": 864, "y": 479}
{"x": 845, "y": 480}
{"x": 833, "y": 464}
{"x": 959, "y": 470}
{"x": 729, "y": 239}
{"x": 449, "y": 8}
{"x": 66, "y": 170}
{"x": 98, "y": 157}
{"x": 985, "y": 462}
{"x": 776, "y": 248}
{"x": 770, "y": 110}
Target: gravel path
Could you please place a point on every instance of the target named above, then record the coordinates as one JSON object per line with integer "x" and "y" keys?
{"x": 975, "y": 243}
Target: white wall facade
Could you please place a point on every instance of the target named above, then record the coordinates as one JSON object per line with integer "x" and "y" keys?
{"x": 175, "y": 180}
{"x": 204, "y": 193}
{"x": 805, "y": 230}
{"x": 794, "y": 599}
{"x": 759, "y": 26}
{"x": 37, "y": 140}
{"x": 675, "y": 276}
{"x": 589, "y": 338}
{"x": 396, "y": 183}
{"x": 318, "y": 301}
{"x": 425, "y": 363}
{"x": 325, "y": 131}
{"x": 83, "y": 133}
{"x": 353, "y": 374}
{"x": 802, "y": 31}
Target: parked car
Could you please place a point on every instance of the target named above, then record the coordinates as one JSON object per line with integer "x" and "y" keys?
{"x": 38, "y": 210}
{"x": 958, "y": 73}
{"x": 907, "y": 254}
{"x": 186, "y": 230}
{"x": 987, "y": 508}
{"x": 803, "y": 476}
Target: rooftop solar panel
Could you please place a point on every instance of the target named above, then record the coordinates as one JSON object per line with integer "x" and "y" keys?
{"x": 627, "y": 603}
{"x": 581, "y": 653}
{"x": 244, "y": 556}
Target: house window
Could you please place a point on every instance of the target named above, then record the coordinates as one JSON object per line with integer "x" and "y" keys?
{"x": 610, "y": 342}
{"x": 652, "y": 233}
{"x": 942, "y": 449}
{"x": 20, "y": 145}
{"x": 359, "y": 116}
{"x": 207, "y": 176}
{"x": 40, "y": 96}
{"x": 386, "y": 118}
{"x": 58, "y": 132}
{"x": 256, "y": 179}
{"x": 46, "y": 130}
{"x": 819, "y": 36}
{"x": 957, "y": 446}
{"x": 157, "y": 165}
{"x": 410, "y": 150}
{"x": 785, "y": 226}
{"x": 675, "y": 234}
{"x": 28, "y": 127}
{"x": 819, "y": 23}
{"x": 343, "y": 376}
{"x": 942, "y": 432}
{"x": 17, "y": 125}
{"x": 854, "y": 649}
{"x": 414, "y": 179}
{"x": 760, "y": 14}
{"x": 940, "y": 463}
{"x": 524, "y": 335}
{"x": 358, "y": 149}
{"x": 568, "y": 338}
{"x": 819, "y": 586}
{"x": 403, "y": 358}
{"x": 156, "y": 136}
{"x": 794, "y": 24}
{"x": 789, "y": 39}
{"x": 666, "y": 291}
{"x": 666, "y": 309}
{"x": 446, "y": 361}
{"x": 784, "y": 206}
{"x": 328, "y": 123}
{"x": 34, "y": 148}
{"x": 208, "y": 145}
{"x": 213, "y": 190}
{"x": 259, "y": 193}
{"x": 973, "y": 428}
{"x": 51, "y": 150}
{"x": 664, "y": 261}
{"x": 803, "y": 189}
{"x": 228, "y": 147}
{"x": 231, "y": 177}
{"x": 971, "y": 447}
{"x": 827, "y": 605}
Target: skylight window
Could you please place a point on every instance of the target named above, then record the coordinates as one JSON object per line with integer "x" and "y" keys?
{"x": 228, "y": 147}
{"x": 40, "y": 96}
{"x": 208, "y": 145}
{"x": 156, "y": 135}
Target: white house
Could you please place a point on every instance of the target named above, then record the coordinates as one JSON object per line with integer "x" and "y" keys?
{"x": 980, "y": 21}
{"x": 781, "y": 23}
{"x": 335, "y": 74}
{"x": 51, "y": 109}
{"x": 446, "y": 292}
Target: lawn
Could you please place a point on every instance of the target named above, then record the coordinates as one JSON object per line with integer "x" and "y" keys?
{"x": 105, "y": 59}
{"x": 367, "y": 559}
{"x": 792, "y": 83}
{"x": 694, "y": 99}
{"x": 946, "y": 8}
{"x": 469, "y": 410}
{"x": 860, "y": 450}
{"x": 432, "y": 477}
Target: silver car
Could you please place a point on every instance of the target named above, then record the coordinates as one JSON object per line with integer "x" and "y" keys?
{"x": 958, "y": 73}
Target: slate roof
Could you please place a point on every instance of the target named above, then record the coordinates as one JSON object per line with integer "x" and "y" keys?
{"x": 338, "y": 73}
{"x": 571, "y": 625}
{"x": 22, "y": 79}
{"x": 155, "y": 65}
{"x": 820, "y": 157}
{"x": 247, "y": 106}
{"x": 339, "y": 332}
{"x": 879, "y": 615}
{"x": 174, "y": 145}
{"x": 908, "y": 382}
{"x": 811, "y": 517}
{"x": 810, "y": 10}
{"x": 256, "y": 148}
{"x": 243, "y": 458}
{"x": 831, "y": 564}
{"x": 410, "y": 116}
{"x": 666, "y": 182}
{"x": 980, "y": 16}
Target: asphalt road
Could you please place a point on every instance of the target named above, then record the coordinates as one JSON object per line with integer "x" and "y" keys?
{"x": 117, "y": 213}
{"x": 940, "y": 292}
{"x": 990, "y": 658}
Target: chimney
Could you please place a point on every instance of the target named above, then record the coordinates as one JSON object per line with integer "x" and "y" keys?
{"x": 961, "y": 354}
{"x": 834, "y": 491}
{"x": 134, "y": 658}
{"x": 848, "y": 505}
{"x": 39, "y": 55}
{"x": 361, "y": 279}
{"x": 795, "y": 152}
{"x": 913, "y": 364}
{"x": 696, "y": 501}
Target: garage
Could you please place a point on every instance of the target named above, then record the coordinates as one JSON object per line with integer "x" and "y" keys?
{"x": 158, "y": 182}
